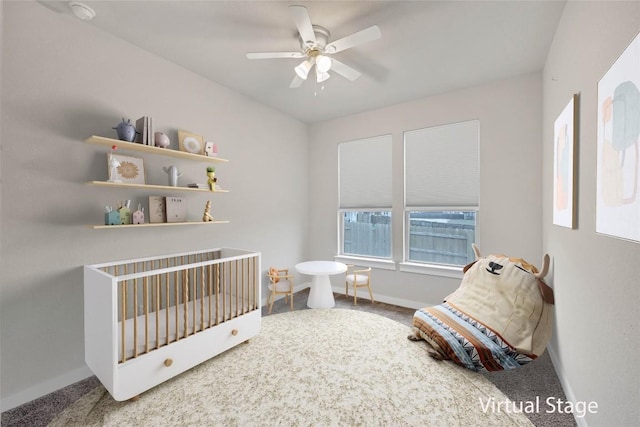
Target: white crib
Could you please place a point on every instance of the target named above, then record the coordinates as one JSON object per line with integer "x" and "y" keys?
{"x": 147, "y": 320}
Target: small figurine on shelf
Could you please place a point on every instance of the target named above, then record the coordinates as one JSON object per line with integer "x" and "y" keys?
{"x": 138, "y": 216}
{"x": 206, "y": 217}
{"x": 173, "y": 173}
{"x": 126, "y": 131}
{"x": 114, "y": 164}
{"x": 124, "y": 209}
{"x": 210, "y": 149}
{"x": 161, "y": 140}
{"x": 211, "y": 173}
{"x": 111, "y": 217}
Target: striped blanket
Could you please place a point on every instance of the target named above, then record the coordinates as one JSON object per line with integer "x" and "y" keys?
{"x": 466, "y": 341}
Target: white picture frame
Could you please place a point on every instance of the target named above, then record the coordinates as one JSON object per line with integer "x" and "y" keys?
{"x": 128, "y": 170}
{"x": 564, "y": 149}
{"x": 618, "y": 145}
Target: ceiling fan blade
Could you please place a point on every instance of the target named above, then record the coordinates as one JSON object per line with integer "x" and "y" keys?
{"x": 355, "y": 39}
{"x": 296, "y": 82}
{"x": 303, "y": 24}
{"x": 271, "y": 55}
{"x": 344, "y": 70}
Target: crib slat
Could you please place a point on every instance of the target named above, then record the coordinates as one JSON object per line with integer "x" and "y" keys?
{"x": 202, "y": 298}
{"x": 176, "y": 286}
{"x": 185, "y": 302}
{"x": 135, "y": 317}
{"x": 237, "y": 290}
{"x": 224, "y": 292}
{"x": 123, "y": 318}
{"x": 217, "y": 291}
{"x": 145, "y": 293}
{"x": 194, "y": 296}
{"x": 156, "y": 307}
{"x": 166, "y": 305}
{"x": 210, "y": 283}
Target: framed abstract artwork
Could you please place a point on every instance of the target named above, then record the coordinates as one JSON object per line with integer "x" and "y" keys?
{"x": 618, "y": 147}
{"x": 564, "y": 148}
{"x": 190, "y": 142}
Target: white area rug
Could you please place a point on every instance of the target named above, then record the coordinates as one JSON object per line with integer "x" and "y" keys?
{"x": 311, "y": 367}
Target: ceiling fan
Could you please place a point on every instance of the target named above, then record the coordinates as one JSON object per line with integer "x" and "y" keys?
{"x": 316, "y": 49}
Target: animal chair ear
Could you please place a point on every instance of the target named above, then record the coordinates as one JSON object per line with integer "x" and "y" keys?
{"x": 476, "y": 251}
{"x": 468, "y": 266}
{"x": 545, "y": 267}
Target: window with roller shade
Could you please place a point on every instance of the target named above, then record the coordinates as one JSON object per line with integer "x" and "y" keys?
{"x": 441, "y": 193}
{"x": 365, "y": 197}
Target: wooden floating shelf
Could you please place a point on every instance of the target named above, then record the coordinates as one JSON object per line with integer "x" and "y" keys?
{"x": 152, "y": 187}
{"x": 158, "y": 224}
{"x": 132, "y": 146}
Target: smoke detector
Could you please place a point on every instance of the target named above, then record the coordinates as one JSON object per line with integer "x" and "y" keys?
{"x": 82, "y": 11}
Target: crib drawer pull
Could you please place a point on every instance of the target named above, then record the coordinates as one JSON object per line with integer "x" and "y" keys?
{"x": 234, "y": 332}
{"x": 168, "y": 362}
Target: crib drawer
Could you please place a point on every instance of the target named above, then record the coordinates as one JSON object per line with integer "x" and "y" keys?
{"x": 142, "y": 373}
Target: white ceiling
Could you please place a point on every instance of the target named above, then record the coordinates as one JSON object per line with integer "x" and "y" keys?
{"x": 427, "y": 47}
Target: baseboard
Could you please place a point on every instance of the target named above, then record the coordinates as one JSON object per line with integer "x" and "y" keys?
{"x": 44, "y": 388}
{"x": 400, "y": 302}
{"x": 566, "y": 386}
{"x": 363, "y": 293}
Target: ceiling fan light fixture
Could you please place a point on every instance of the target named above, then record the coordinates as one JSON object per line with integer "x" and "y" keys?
{"x": 82, "y": 11}
{"x": 303, "y": 69}
{"x": 322, "y": 76}
{"x": 323, "y": 63}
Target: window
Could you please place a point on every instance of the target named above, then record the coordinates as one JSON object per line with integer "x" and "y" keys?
{"x": 366, "y": 233}
{"x": 365, "y": 197}
{"x": 441, "y": 237}
{"x": 441, "y": 193}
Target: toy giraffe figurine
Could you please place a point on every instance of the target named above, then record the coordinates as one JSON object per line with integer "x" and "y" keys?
{"x": 211, "y": 173}
{"x": 206, "y": 217}
{"x": 113, "y": 166}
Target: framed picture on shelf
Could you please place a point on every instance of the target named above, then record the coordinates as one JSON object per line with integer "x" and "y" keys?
{"x": 618, "y": 145}
{"x": 190, "y": 142}
{"x": 564, "y": 141}
{"x": 157, "y": 209}
{"x": 129, "y": 170}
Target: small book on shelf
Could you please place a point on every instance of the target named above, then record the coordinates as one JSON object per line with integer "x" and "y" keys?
{"x": 157, "y": 211}
{"x": 144, "y": 127}
{"x": 150, "y": 131}
{"x": 200, "y": 185}
{"x": 176, "y": 209}
{"x": 141, "y": 128}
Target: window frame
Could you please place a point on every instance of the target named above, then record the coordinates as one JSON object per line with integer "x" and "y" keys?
{"x": 466, "y": 203}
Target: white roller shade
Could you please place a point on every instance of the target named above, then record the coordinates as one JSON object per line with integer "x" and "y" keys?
{"x": 442, "y": 165}
{"x": 365, "y": 173}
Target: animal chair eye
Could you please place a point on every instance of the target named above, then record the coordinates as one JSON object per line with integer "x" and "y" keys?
{"x": 528, "y": 272}
{"x": 495, "y": 267}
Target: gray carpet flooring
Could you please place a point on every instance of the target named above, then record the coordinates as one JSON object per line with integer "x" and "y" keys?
{"x": 537, "y": 380}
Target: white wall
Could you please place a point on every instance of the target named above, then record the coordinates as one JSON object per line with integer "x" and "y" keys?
{"x": 62, "y": 81}
{"x": 510, "y": 180}
{"x": 596, "y": 340}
